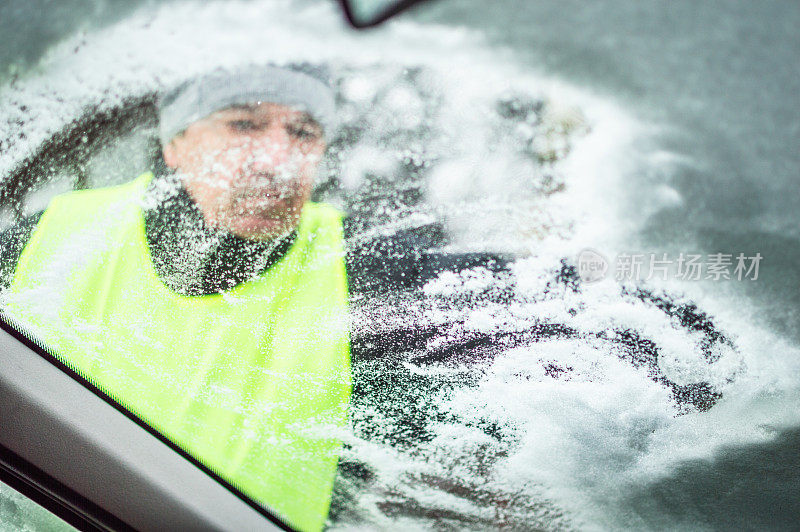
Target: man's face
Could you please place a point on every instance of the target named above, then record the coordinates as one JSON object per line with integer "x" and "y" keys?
{"x": 250, "y": 169}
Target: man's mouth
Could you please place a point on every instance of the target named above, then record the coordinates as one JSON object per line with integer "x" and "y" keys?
{"x": 261, "y": 199}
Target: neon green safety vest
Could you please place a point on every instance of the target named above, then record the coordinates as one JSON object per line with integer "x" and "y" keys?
{"x": 254, "y": 382}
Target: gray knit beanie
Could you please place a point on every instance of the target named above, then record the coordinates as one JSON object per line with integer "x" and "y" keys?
{"x": 299, "y": 85}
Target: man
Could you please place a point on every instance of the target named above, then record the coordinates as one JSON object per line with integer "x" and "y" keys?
{"x": 211, "y": 297}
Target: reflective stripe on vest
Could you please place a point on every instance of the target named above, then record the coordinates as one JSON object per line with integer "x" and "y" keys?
{"x": 254, "y": 382}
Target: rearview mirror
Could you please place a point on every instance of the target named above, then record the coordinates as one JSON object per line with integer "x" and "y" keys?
{"x": 367, "y": 13}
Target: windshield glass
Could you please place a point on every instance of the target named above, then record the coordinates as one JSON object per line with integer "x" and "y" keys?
{"x": 524, "y": 267}
{"x": 17, "y": 512}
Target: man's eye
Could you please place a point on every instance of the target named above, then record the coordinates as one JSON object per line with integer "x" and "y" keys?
{"x": 303, "y": 132}
{"x": 242, "y": 125}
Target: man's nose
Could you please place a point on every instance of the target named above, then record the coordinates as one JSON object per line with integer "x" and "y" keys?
{"x": 272, "y": 146}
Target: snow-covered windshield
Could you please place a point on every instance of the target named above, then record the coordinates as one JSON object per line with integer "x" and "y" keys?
{"x": 527, "y": 290}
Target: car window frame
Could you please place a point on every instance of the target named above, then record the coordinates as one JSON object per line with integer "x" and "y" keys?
{"x": 53, "y": 496}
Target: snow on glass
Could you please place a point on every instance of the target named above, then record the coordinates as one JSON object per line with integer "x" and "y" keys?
{"x": 554, "y": 432}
